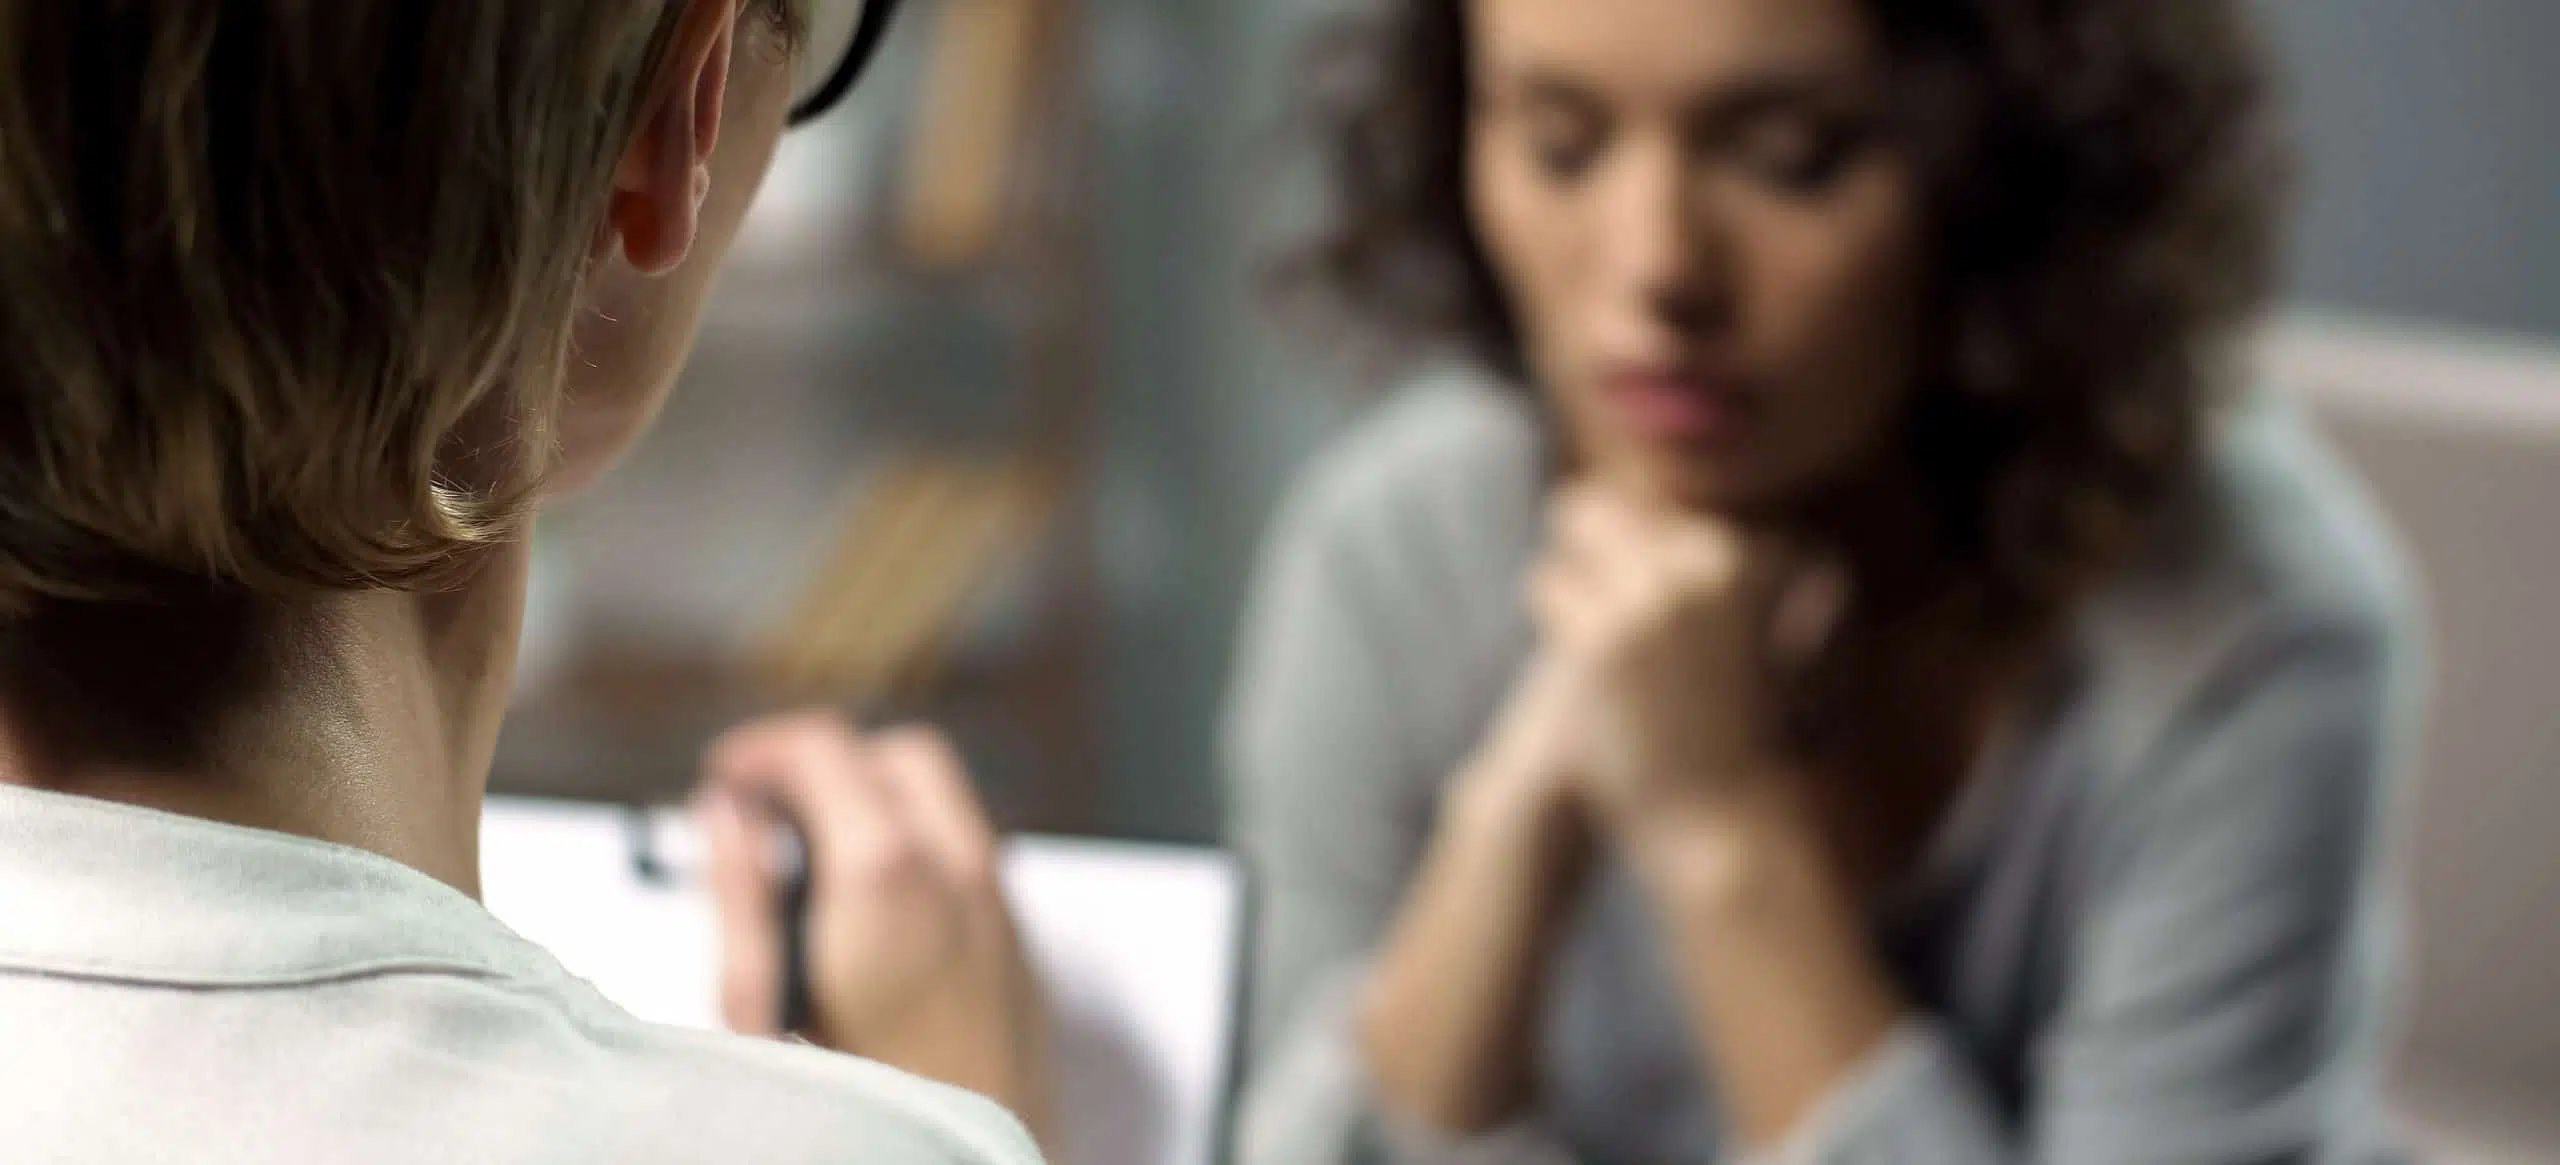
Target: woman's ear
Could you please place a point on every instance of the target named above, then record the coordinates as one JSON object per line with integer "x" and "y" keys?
{"x": 664, "y": 175}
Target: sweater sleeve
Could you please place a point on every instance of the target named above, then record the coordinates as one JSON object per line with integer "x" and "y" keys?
{"x": 2222, "y": 1005}
{"x": 1330, "y": 801}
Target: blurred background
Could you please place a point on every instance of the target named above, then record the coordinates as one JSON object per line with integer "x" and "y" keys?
{"x": 985, "y": 423}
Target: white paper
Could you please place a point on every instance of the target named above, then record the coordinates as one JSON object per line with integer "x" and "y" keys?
{"x": 1138, "y": 946}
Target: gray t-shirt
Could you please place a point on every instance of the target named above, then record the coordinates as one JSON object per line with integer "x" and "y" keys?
{"x": 177, "y": 990}
{"x": 2154, "y": 930}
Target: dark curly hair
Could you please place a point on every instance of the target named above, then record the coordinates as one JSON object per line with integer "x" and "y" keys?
{"x": 2101, "y": 183}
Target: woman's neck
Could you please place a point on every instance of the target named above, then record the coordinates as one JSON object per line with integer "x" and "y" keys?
{"x": 1919, "y": 677}
{"x": 1885, "y": 528}
{"x": 368, "y": 720}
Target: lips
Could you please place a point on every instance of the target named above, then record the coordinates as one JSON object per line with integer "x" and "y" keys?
{"x": 1682, "y": 405}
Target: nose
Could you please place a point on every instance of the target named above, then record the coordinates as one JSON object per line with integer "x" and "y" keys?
{"x": 1667, "y": 257}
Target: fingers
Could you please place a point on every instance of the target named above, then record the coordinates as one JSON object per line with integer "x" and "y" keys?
{"x": 1600, "y": 541}
{"x": 1595, "y": 566}
{"x": 1614, "y": 563}
{"x": 814, "y": 768}
{"x": 743, "y": 893}
{"x": 1566, "y": 597}
{"x": 862, "y": 802}
{"x": 808, "y": 765}
{"x": 1622, "y": 546}
{"x": 903, "y": 908}
{"x": 1640, "y": 545}
{"x": 935, "y": 791}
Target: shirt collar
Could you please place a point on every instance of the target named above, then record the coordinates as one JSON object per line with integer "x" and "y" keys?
{"x": 96, "y": 889}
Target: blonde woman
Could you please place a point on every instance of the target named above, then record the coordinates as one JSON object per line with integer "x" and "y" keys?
{"x": 305, "y": 309}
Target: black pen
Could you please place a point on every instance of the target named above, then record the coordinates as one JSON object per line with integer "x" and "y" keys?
{"x": 799, "y": 1008}
{"x": 789, "y": 859}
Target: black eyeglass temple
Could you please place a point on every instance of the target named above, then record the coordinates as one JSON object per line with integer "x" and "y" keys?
{"x": 867, "y": 35}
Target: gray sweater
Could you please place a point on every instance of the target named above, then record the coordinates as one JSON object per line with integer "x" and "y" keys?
{"x": 2154, "y": 930}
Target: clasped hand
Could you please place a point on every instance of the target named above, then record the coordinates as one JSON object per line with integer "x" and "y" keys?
{"x": 1651, "y": 701}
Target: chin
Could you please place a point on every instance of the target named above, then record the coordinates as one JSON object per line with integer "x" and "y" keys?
{"x": 1728, "y": 487}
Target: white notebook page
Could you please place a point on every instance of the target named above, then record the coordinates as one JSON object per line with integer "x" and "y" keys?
{"x": 1139, "y": 948}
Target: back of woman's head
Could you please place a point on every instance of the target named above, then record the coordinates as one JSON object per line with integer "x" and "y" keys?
{"x": 286, "y": 286}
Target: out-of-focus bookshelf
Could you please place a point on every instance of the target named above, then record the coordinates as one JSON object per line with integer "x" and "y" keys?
{"x": 873, "y": 489}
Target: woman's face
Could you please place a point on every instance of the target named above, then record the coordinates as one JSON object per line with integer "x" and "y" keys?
{"x": 1711, "y": 253}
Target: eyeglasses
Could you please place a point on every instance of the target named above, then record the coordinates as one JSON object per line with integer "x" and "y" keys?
{"x": 843, "y": 35}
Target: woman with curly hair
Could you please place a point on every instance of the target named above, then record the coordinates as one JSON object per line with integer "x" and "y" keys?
{"x": 1828, "y": 663}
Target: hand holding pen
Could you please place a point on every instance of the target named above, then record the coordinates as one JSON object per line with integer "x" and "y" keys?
{"x": 909, "y": 952}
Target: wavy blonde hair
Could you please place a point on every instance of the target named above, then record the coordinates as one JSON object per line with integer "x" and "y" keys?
{"x": 286, "y": 287}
